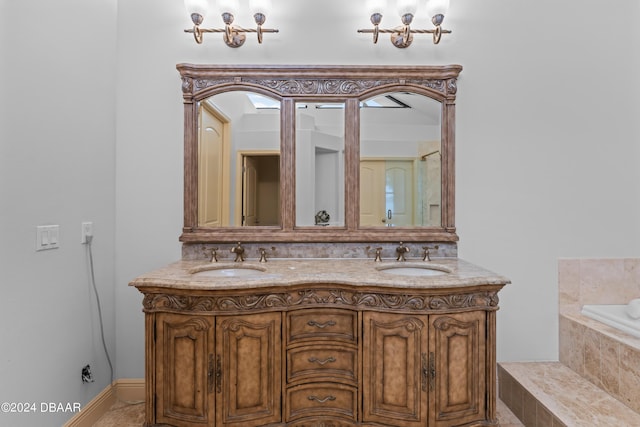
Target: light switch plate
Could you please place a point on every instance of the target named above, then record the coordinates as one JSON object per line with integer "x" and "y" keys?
{"x": 47, "y": 237}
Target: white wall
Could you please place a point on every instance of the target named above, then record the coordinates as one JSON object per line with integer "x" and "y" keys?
{"x": 546, "y": 137}
{"x": 547, "y": 157}
{"x": 57, "y": 165}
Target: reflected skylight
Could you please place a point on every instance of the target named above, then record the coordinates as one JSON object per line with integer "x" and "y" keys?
{"x": 261, "y": 102}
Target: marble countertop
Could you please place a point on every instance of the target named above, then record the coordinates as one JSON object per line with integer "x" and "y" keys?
{"x": 444, "y": 273}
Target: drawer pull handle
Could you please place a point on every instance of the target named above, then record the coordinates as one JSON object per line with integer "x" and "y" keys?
{"x": 321, "y": 325}
{"x": 329, "y": 359}
{"x": 321, "y": 400}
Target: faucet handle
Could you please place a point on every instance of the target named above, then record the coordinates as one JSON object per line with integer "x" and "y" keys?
{"x": 378, "y": 255}
{"x": 427, "y": 254}
{"x": 263, "y": 254}
{"x": 213, "y": 254}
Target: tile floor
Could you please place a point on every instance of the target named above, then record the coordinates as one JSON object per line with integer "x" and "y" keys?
{"x": 127, "y": 415}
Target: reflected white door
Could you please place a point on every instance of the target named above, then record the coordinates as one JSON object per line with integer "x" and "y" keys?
{"x": 386, "y": 193}
{"x": 372, "y": 201}
{"x": 211, "y": 170}
{"x": 399, "y": 192}
{"x": 249, "y": 192}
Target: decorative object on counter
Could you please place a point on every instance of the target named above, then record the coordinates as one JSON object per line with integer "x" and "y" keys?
{"x": 322, "y": 218}
{"x": 402, "y": 36}
{"x": 233, "y": 36}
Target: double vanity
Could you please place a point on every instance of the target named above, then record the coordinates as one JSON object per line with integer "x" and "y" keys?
{"x": 345, "y": 303}
{"x": 321, "y": 342}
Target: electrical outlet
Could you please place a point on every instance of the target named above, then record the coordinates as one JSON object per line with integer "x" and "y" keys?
{"x": 87, "y": 376}
{"x": 87, "y": 230}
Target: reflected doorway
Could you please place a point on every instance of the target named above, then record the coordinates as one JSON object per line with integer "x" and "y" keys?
{"x": 259, "y": 194}
{"x": 386, "y": 192}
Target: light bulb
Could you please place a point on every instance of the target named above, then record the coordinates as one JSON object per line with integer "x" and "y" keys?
{"x": 200, "y": 7}
{"x": 260, "y": 6}
{"x": 437, "y": 7}
{"x": 376, "y": 6}
{"x": 228, "y": 6}
{"x": 407, "y": 7}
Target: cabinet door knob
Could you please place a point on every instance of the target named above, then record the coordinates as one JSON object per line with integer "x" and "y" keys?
{"x": 432, "y": 371}
{"x": 210, "y": 374}
{"x": 428, "y": 373}
{"x": 218, "y": 374}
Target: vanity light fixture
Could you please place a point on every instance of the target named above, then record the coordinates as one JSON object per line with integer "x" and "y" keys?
{"x": 402, "y": 36}
{"x": 233, "y": 36}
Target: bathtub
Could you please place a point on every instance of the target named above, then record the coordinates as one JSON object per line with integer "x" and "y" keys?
{"x": 615, "y": 316}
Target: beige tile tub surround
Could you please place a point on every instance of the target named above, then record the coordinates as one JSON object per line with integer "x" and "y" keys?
{"x": 608, "y": 358}
{"x": 597, "y": 281}
{"x": 551, "y": 395}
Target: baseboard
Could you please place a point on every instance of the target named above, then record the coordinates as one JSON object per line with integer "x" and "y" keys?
{"x": 130, "y": 390}
{"x": 126, "y": 390}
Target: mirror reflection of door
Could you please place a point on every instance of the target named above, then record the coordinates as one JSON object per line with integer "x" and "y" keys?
{"x": 213, "y": 173}
{"x": 260, "y": 189}
{"x": 386, "y": 192}
{"x": 402, "y": 131}
{"x": 231, "y": 124}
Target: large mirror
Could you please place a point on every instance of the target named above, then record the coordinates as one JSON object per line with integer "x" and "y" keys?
{"x": 319, "y": 153}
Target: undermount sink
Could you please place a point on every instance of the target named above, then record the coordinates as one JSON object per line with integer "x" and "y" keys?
{"x": 229, "y": 272}
{"x": 414, "y": 270}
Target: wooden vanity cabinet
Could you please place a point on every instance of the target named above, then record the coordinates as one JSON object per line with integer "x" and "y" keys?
{"x": 322, "y": 365}
{"x": 424, "y": 368}
{"x": 321, "y": 357}
{"x": 225, "y": 368}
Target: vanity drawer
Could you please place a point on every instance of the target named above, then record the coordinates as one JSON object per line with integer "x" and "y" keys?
{"x": 321, "y": 400}
{"x": 326, "y": 361}
{"x": 310, "y": 324}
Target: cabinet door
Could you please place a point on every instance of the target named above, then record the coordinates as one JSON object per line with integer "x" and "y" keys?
{"x": 394, "y": 387}
{"x": 184, "y": 363}
{"x": 457, "y": 347}
{"x": 248, "y": 355}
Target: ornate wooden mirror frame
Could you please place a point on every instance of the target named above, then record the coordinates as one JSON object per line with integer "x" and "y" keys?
{"x": 348, "y": 84}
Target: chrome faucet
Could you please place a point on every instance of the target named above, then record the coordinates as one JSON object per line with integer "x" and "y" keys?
{"x": 239, "y": 251}
{"x": 401, "y": 251}
{"x": 427, "y": 256}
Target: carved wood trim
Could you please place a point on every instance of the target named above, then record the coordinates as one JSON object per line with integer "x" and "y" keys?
{"x": 317, "y": 80}
{"x": 154, "y": 302}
